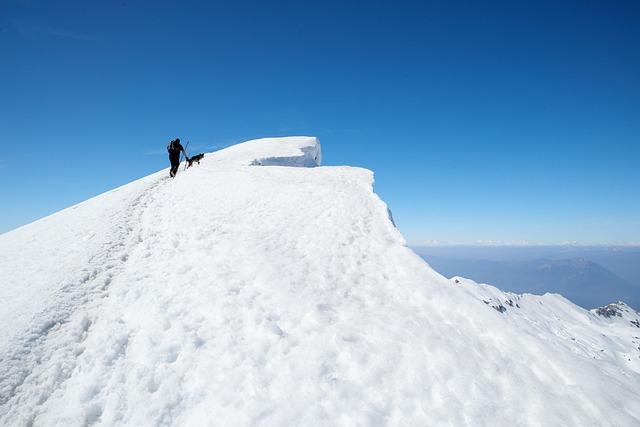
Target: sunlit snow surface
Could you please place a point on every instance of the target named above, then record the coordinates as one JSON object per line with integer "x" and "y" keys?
{"x": 245, "y": 293}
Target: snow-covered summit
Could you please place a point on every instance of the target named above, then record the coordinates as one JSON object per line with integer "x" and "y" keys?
{"x": 617, "y": 309}
{"x": 246, "y": 295}
{"x": 290, "y": 151}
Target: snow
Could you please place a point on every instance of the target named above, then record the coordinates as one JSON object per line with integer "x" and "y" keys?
{"x": 236, "y": 294}
{"x": 610, "y": 333}
{"x": 300, "y": 151}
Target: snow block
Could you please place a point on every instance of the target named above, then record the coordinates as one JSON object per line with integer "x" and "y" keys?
{"x": 295, "y": 151}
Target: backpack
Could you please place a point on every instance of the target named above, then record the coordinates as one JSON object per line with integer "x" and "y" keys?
{"x": 172, "y": 147}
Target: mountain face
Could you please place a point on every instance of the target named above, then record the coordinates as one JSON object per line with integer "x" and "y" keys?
{"x": 611, "y": 332}
{"x": 258, "y": 288}
{"x": 584, "y": 282}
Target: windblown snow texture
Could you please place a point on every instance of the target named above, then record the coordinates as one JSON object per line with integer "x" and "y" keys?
{"x": 243, "y": 295}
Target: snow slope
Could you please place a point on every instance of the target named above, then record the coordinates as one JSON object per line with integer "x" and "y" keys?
{"x": 246, "y": 295}
{"x": 610, "y": 333}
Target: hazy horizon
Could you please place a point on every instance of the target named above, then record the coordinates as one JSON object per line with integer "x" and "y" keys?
{"x": 589, "y": 276}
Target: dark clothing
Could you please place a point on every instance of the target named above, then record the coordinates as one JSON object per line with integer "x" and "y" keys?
{"x": 175, "y": 148}
{"x": 174, "y": 158}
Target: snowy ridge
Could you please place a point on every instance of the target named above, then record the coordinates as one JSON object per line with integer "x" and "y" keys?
{"x": 618, "y": 311}
{"x": 299, "y": 151}
{"x": 610, "y": 333}
{"x": 212, "y": 299}
{"x": 76, "y": 253}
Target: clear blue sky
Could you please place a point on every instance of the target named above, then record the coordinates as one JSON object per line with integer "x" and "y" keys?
{"x": 482, "y": 120}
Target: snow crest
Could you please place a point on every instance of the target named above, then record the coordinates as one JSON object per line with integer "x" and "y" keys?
{"x": 213, "y": 299}
{"x": 298, "y": 151}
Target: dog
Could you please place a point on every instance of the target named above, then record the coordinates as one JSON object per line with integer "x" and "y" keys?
{"x": 195, "y": 159}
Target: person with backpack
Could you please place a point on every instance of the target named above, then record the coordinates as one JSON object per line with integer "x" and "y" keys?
{"x": 175, "y": 148}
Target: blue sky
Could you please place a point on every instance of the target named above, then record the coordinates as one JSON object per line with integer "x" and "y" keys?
{"x": 499, "y": 121}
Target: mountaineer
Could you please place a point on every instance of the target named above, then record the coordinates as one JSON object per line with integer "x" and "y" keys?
{"x": 174, "y": 148}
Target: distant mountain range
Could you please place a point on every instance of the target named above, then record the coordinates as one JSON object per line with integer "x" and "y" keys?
{"x": 584, "y": 282}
